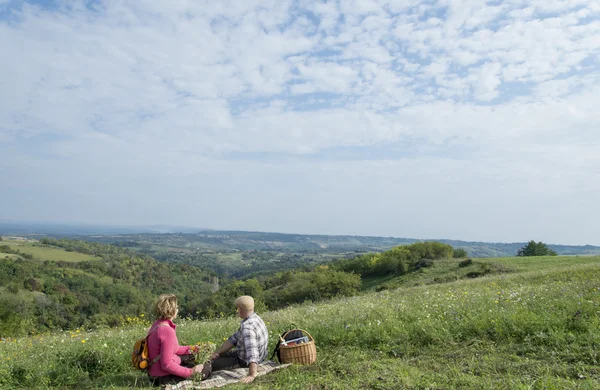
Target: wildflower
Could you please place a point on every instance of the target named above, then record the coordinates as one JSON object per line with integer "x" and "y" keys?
{"x": 83, "y": 341}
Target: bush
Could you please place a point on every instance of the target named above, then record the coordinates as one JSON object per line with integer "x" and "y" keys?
{"x": 424, "y": 263}
{"x": 460, "y": 253}
{"x": 398, "y": 260}
{"x": 536, "y": 249}
{"x": 484, "y": 269}
{"x": 312, "y": 286}
{"x": 465, "y": 263}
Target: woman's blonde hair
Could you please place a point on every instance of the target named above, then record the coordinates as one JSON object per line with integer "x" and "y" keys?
{"x": 166, "y": 306}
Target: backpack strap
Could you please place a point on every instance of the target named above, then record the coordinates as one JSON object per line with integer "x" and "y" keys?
{"x": 156, "y": 327}
{"x": 275, "y": 350}
{"x": 281, "y": 339}
{"x": 157, "y": 358}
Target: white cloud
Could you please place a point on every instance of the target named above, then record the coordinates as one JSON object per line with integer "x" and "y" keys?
{"x": 328, "y": 77}
{"x": 487, "y": 81}
{"x": 453, "y": 94}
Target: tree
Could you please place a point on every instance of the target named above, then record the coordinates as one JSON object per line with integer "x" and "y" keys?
{"x": 460, "y": 253}
{"x": 536, "y": 249}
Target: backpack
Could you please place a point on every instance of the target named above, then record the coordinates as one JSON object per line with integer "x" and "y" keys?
{"x": 139, "y": 357}
{"x": 286, "y": 336}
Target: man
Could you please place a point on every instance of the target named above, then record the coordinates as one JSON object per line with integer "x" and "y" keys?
{"x": 250, "y": 342}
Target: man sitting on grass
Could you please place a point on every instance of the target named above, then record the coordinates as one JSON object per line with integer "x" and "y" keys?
{"x": 250, "y": 342}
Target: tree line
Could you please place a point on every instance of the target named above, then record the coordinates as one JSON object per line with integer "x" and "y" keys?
{"x": 42, "y": 295}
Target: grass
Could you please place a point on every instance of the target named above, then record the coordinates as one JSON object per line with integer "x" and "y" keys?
{"x": 536, "y": 327}
{"x": 445, "y": 271}
{"x": 41, "y": 252}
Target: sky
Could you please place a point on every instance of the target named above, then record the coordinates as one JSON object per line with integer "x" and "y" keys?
{"x": 458, "y": 119}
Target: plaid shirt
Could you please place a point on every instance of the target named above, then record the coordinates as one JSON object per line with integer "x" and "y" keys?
{"x": 251, "y": 340}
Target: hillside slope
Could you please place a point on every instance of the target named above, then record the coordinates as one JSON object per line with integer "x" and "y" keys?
{"x": 67, "y": 284}
{"x": 536, "y": 327}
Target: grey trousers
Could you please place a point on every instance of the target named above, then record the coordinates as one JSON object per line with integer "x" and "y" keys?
{"x": 228, "y": 360}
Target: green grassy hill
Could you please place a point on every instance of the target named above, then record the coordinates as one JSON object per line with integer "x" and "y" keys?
{"x": 450, "y": 270}
{"x": 43, "y": 252}
{"x": 533, "y": 326}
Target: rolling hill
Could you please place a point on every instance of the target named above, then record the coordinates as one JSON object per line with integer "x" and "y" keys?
{"x": 213, "y": 240}
{"x": 535, "y": 327}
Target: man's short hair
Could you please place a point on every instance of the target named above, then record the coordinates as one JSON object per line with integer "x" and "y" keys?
{"x": 245, "y": 302}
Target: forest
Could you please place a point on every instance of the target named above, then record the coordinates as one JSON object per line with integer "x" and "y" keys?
{"x": 39, "y": 295}
{"x": 117, "y": 284}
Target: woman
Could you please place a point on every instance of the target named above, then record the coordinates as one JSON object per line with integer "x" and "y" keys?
{"x": 170, "y": 362}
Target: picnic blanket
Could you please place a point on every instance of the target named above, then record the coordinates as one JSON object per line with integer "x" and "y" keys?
{"x": 226, "y": 377}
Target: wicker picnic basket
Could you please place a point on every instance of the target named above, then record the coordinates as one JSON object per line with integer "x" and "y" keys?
{"x": 304, "y": 353}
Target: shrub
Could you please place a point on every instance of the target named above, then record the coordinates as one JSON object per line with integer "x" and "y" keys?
{"x": 313, "y": 286}
{"x": 398, "y": 260}
{"x": 536, "y": 249}
{"x": 424, "y": 263}
{"x": 465, "y": 263}
{"x": 484, "y": 269}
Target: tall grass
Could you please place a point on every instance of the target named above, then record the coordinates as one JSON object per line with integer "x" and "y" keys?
{"x": 527, "y": 330}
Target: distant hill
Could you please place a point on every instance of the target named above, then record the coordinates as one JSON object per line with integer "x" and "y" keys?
{"x": 229, "y": 241}
{"x": 65, "y": 229}
{"x": 496, "y": 249}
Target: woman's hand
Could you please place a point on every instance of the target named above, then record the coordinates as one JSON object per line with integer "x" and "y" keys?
{"x": 197, "y": 369}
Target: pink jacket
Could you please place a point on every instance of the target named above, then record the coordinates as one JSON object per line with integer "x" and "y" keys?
{"x": 163, "y": 341}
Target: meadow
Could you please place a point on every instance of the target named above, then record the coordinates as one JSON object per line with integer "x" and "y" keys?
{"x": 532, "y": 326}
{"x": 42, "y": 252}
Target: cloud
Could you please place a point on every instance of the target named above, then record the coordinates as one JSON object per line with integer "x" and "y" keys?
{"x": 487, "y": 81}
{"x": 459, "y": 93}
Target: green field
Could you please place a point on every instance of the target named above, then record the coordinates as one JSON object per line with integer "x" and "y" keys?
{"x": 449, "y": 270}
{"x": 41, "y": 252}
{"x": 533, "y": 326}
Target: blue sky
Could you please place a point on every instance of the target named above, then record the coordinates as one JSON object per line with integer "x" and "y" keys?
{"x": 453, "y": 119}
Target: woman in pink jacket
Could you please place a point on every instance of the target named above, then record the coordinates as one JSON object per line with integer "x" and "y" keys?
{"x": 170, "y": 363}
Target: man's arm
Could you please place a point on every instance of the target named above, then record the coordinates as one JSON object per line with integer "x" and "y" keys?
{"x": 253, "y": 367}
{"x": 227, "y": 345}
{"x": 252, "y": 357}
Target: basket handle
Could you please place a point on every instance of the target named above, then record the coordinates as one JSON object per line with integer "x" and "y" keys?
{"x": 302, "y": 330}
